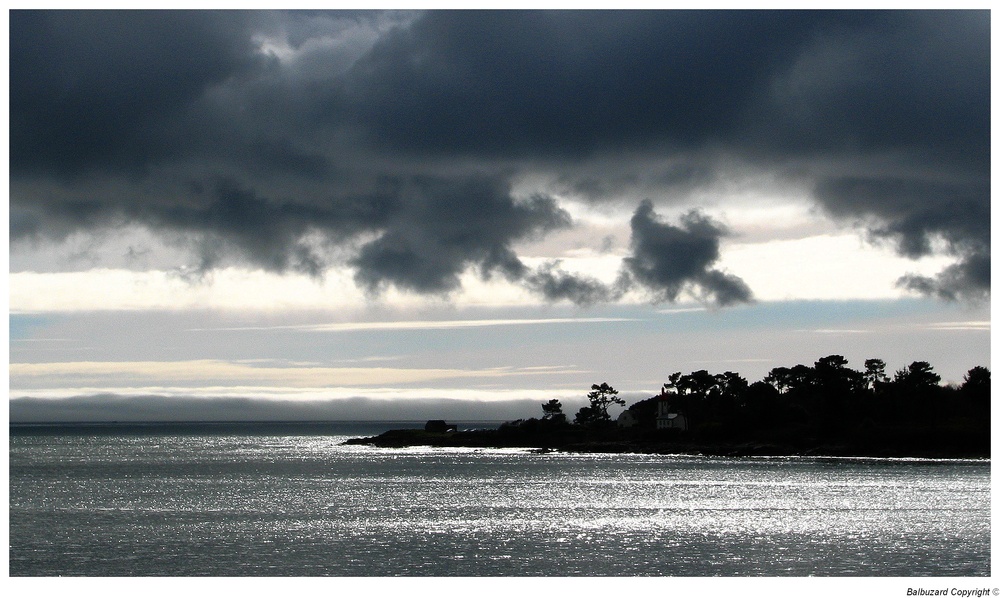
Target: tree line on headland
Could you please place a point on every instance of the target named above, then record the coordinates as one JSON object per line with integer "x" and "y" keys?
{"x": 824, "y": 409}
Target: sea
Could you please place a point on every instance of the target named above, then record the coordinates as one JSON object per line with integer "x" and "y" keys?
{"x": 290, "y": 499}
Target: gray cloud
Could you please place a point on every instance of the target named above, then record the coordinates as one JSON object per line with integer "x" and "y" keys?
{"x": 556, "y": 285}
{"x": 390, "y": 141}
{"x": 968, "y": 280}
{"x": 567, "y": 84}
{"x": 105, "y": 91}
{"x": 441, "y": 228}
{"x": 665, "y": 261}
{"x": 668, "y": 259}
{"x": 427, "y": 230}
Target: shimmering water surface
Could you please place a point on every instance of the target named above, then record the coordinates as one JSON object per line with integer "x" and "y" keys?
{"x": 127, "y": 501}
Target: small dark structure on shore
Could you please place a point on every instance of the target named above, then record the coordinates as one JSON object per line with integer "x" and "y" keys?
{"x": 439, "y": 426}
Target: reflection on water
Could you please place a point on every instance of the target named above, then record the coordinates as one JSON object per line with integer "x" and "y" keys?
{"x": 305, "y": 505}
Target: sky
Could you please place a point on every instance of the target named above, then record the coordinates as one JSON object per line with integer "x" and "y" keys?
{"x": 408, "y": 215}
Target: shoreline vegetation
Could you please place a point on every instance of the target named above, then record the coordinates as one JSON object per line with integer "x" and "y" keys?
{"x": 827, "y": 409}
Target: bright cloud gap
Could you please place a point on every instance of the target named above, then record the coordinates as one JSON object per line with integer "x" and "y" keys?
{"x": 858, "y": 273}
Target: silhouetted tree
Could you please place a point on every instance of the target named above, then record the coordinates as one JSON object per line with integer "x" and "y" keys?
{"x": 913, "y": 391}
{"x": 834, "y": 388}
{"x": 976, "y": 380}
{"x": 918, "y": 374}
{"x": 832, "y": 362}
{"x": 724, "y": 398}
{"x": 874, "y": 373}
{"x": 780, "y": 378}
{"x": 700, "y": 383}
{"x": 732, "y": 387}
{"x": 671, "y": 386}
{"x": 832, "y": 376}
{"x": 601, "y": 397}
{"x": 801, "y": 376}
{"x": 553, "y": 411}
{"x": 762, "y": 405}
{"x": 975, "y": 391}
{"x": 586, "y": 415}
{"x": 791, "y": 379}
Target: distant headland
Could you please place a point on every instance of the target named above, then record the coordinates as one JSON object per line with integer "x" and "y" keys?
{"x": 826, "y": 409}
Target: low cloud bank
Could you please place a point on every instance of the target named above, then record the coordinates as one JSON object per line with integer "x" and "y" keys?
{"x": 149, "y": 408}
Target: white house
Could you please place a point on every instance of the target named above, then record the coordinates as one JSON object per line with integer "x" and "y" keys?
{"x": 667, "y": 419}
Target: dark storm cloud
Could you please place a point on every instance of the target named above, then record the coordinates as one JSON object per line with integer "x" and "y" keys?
{"x": 549, "y": 83}
{"x": 541, "y": 84}
{"x": 443, "y": 227}
{"x": 395, "y": 138}
{"x": 100, "y": 90}
{"x": 429, "y": 230}
{"x": 668, "y": 259}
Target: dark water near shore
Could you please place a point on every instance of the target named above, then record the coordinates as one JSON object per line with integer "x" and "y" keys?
{"x": 289, "y": 499}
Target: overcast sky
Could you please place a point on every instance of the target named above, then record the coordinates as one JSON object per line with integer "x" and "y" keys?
{"x": 379, "y": 215}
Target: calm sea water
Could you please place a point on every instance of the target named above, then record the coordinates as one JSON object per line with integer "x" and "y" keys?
{"x": 290, "y": 500}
